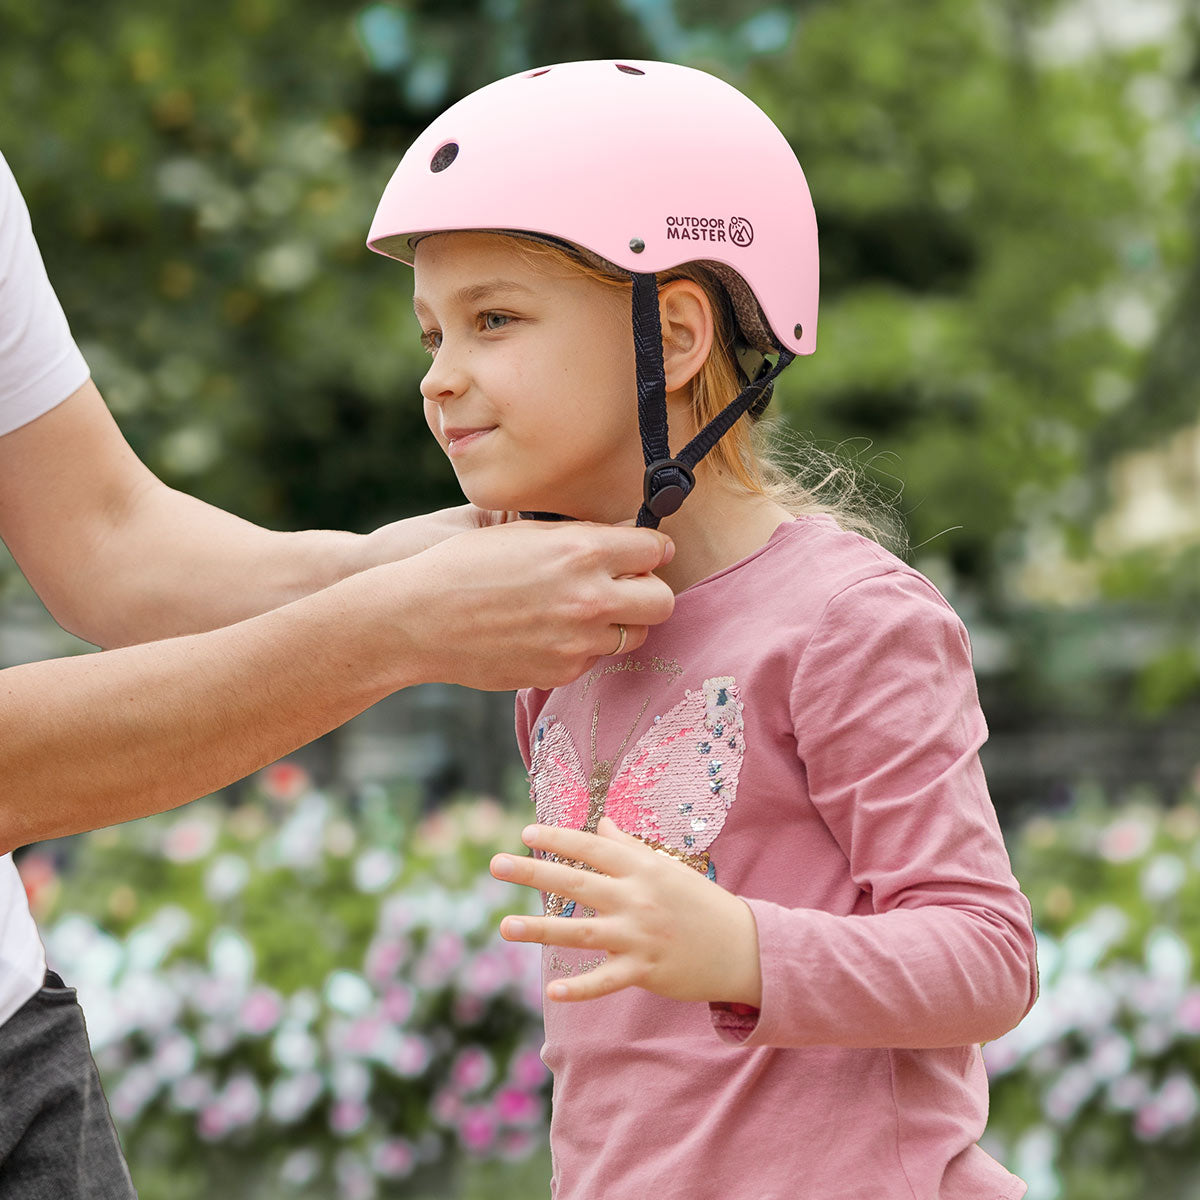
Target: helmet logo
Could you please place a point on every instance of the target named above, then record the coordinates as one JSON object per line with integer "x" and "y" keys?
{"x": 737, "y": 230}
{"x": 741, "y": 232}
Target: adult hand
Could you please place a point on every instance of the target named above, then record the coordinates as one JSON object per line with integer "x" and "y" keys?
{"x": 532, "y": 603}
{"x": 404, "y": 538}
{"x": 664, "y": 926}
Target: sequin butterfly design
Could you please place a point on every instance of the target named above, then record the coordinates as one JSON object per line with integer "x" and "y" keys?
{"x": 672, "y": 789}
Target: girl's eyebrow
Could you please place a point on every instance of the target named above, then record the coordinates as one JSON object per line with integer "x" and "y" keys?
{"x": 477, "y": 293}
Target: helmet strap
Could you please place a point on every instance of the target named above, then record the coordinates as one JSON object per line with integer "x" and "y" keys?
{"x": 668, "y": 480}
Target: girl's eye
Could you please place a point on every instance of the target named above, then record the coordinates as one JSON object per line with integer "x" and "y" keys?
{"x": 431, "y": 339}
{"x": 493, "y": 321}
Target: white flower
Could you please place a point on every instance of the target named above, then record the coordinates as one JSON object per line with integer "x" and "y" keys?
{"x": 231, "y": 958}
{"x": 226, "y": 877}
{"x": 174, "y": 1056}
{"x": 294, "y": 1048}
{"x": 300, "y": 1167}
{"x": 1168, "y": 957}
{"x": 375, "y": 869}
{"x": 348, "y": 993}
{"x": 291, "y": 1096}
{"x": 1162, "y": 877}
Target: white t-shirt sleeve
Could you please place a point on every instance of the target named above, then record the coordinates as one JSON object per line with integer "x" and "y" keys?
{"x": 40, "y": 365}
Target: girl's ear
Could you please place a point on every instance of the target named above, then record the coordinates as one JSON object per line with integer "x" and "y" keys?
{"x": 687, "y": 329}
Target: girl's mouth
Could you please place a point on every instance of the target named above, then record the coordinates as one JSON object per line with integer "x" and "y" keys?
{"x": 458, "y": 440}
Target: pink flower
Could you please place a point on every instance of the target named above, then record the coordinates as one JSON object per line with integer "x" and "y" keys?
{"x": 362, "y": 1035}
{"x": 189, "y": 838}
{"x": 527, "y": 1070}
{"x": 411, "y": 1057}
{"x": 517, "y": 1145}
{"x": 515, "y": 1107}
{"x": 40, "y": 879}
{"x": 384, "y": 959}
{"x": 441, "y": 959}
{"x": 472, "y": 1069}
{"x": 477, "y": 1130}
{"x": 468, "y": 1009}
{"x": 284, "y": 780}
{"x": 213, "y": 1122}
{"x": 1187, "y": 1017}
{"x": 261, "y": 1011}
{"x": 347, "y": 1117}
{"x": 446, "y": 1107}
{"x": 393, "y": 1159}
{"x": 1150, "y": 1123}
{"x": 1125, "y": 839}
{"x": 398, "y": 1004}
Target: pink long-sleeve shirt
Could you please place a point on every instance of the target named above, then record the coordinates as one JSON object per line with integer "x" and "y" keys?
{"x": 805, "y": 730}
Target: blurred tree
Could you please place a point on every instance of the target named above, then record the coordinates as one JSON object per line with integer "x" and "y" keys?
{"x": 1002, "y": 188}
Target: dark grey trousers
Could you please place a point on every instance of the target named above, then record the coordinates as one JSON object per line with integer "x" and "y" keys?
{"x": 57, "y": 1140}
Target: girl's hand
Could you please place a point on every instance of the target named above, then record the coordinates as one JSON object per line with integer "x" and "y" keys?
{"x": 664, "y": 926}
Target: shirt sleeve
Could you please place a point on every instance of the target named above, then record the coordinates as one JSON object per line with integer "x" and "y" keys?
{"x": 521, "y": 720}
{"x": 888, "y": 728}
{"x": 40, "y": 365}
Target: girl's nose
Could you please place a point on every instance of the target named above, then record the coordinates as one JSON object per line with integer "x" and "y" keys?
{"x": 445, "y": 378}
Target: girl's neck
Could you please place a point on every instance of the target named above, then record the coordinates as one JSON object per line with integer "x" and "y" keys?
{"x": 715, "y": 528}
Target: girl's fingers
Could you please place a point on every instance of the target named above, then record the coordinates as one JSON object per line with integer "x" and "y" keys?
{"x": 614, "y": 975}
{"x": 609, "y": 855}
{"x": 577, "y": 933}
{"x": 584, "y": 886}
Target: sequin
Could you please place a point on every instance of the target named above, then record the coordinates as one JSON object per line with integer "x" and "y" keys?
{"x": 656, "y": 791}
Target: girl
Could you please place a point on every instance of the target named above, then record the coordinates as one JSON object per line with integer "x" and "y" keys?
{"x": 766, "y": 849}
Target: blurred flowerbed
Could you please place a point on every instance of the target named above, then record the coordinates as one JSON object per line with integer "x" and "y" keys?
{"x": 1095, "y": 1093}
{"x": 299, "y": 997}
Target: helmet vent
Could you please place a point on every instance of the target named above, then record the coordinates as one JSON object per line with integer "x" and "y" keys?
{"x": 535, "y": 74}
{"x": 443, "y": 157}
{"x": 629, "y": 70}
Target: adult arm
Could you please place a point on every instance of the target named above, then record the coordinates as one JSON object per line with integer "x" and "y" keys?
{"x": 106, "y": 737}
{"x": 118, "y": 557}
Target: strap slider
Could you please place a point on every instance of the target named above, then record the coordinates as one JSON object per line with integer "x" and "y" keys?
{"x": 666, "y": 485}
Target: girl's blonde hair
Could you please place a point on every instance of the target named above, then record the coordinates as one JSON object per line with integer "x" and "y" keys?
{"x": 755, "y": 457}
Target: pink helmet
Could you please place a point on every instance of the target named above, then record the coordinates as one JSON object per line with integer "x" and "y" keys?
{"x": 648, "y": 166}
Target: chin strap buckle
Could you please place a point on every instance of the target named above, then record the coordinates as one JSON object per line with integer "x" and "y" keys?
{"x": 666, "y": 485}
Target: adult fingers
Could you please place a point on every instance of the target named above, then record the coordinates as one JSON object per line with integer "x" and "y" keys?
{"x": 637, "y": 600}
{"x": 629, "y": 551}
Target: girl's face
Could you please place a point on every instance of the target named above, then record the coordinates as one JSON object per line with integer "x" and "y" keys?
{"x": 532, "y": 387}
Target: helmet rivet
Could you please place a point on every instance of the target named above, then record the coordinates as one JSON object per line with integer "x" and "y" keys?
{"x": 637, "y": 245}
{"x": 798, "y": 332}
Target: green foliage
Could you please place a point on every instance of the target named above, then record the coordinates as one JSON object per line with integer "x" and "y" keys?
{"x": 1008, "y": 250}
